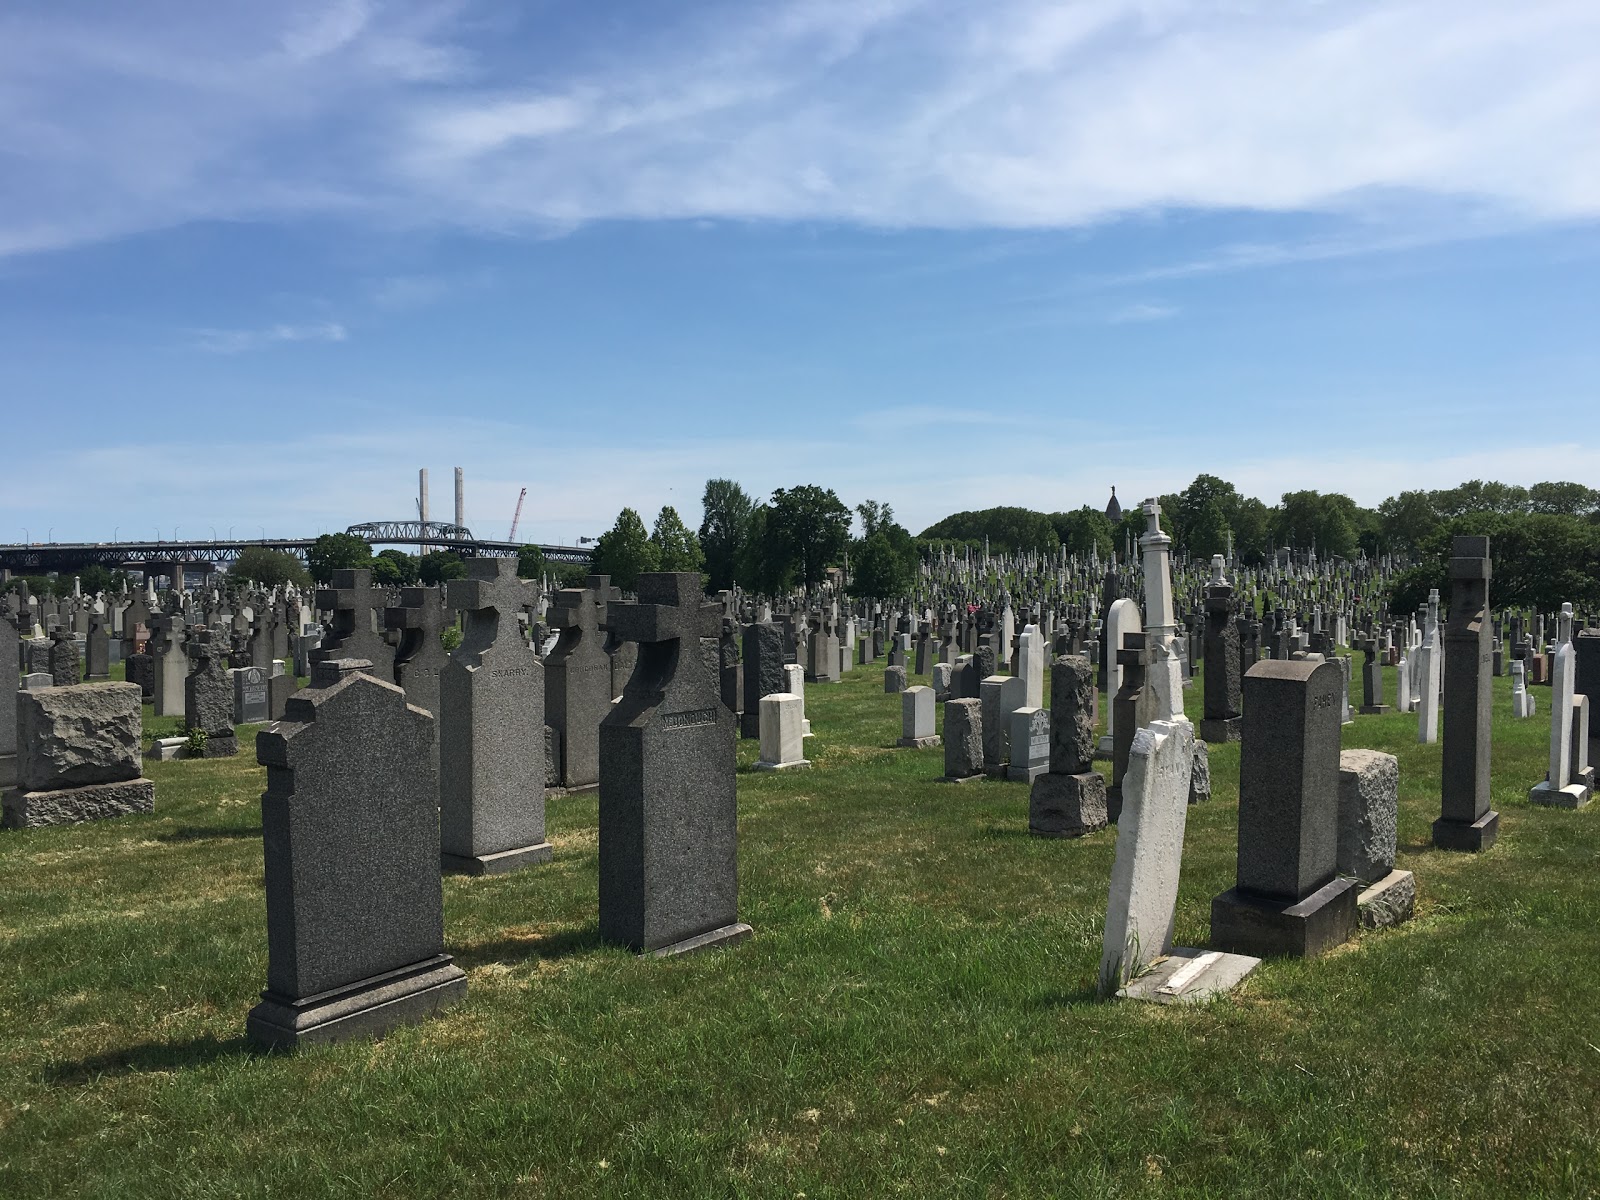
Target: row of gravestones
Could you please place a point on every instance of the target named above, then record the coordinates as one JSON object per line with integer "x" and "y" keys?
{"x": 355, "y": 825}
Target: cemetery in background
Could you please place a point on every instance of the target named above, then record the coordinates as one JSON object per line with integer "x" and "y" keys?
{"x": 801, "y": 855}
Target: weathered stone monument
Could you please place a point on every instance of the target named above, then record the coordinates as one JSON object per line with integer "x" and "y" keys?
{"x": 10, "y": 666}
{"x": 668, "y": 833}
{"x": 354, "y": 602}
{"x": 1466, "y": 822}
{"x": 350, "y": 839}
{"x": 763, "y": 672}
{"x": 208, "y": 696}
{"x": 78, "y": 755}
{"x": 252, "y": 703}
{"x": 1289, "y": 898}
{"x": 1369, "y": 785}
{"x": 1560, "y": 787}
{"x": 917, "y": 718}
{"x": 963, "y": 740}
{"x": 782, "y": 737}
{"x": 1223, "y": 691}
{"x": 491, "y": 730}
{"x": 1070, "y": 799}
{"x": 420, "y": 657}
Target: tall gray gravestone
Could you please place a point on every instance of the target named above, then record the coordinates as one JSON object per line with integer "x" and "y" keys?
{"x": 491, "y": 730}
{"x": 350, "y": 839}
{"x": 353, "y": 600}
{"x": 1466, "y": 822}
{"x": 1070, "y": 800}
{"x": 97, "y": 649}
{"x": 10, "y": 669}
{"x": 208, "y": 695}
{"x": 420, "y": 657}
{"x": 1223, "y": 688}
{"x": 169, "y": 664}
{"x": 1289, "y": 898}
{"x": 65, "y": 665}
{"x": 763, "y": 672}
{"x": 577, "y": 685}
{"x": 668, "y": 829}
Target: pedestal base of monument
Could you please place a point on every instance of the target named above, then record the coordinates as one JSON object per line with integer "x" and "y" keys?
{"x": 728, "y": 935}
{"x": 1018, "y": 774}
{"x": 1471, "y": 836}
{"x": 921, "y": 743}
{"x": 1220, "y": 730}
{"x": 367, "y": 1008}
{"x": 1067, "y": 806}
{"x": 69, "y": 806}
{"x": 502, "y": 862}
{"x": 1249, "y": 924}
{"x": 1373, "y": 710}
{"x": 1574, "y": 795}
{"x": 1188, "y": 976}
{"x": 168, "y": 749}
{"x": 220, "y": 747}
{"x": 1388, "y": 902}
{"x": 796, "y": 765}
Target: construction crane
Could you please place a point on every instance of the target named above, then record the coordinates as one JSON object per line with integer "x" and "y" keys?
{"x": 517, "y": 516}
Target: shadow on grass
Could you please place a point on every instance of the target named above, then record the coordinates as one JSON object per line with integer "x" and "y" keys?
{"x": 1073, "y": 999}
{"x": 200, "y": 833}
{"x": 514, "y": 950}
{"x": 149, "y": 1056}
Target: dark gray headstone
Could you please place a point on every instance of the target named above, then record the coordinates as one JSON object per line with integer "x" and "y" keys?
{"x": 350, "y": 832}
{"x": 97, "y": 649}
{"x": 577, "y": 685}
{"x": 65, "y": 666}
{"x": 763, "y": 673}
{"x": 1466, "y": 822}
{"x": 491, "y": 730}
{"x": 668, "y": 830}
{"x": 963, "y": 739}
{"x": 356, "y": 606}
{"x": 1070, "y": 799}
{"x": 208, "y": 697}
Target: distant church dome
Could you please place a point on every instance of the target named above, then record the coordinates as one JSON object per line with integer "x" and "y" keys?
{"x": 1113, "y": 509}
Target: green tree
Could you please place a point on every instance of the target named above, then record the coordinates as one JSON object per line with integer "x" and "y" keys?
{"x": 763, "y": 566}
{"x": 810, "y": 527}
{"x": 95, "y": 578}
{"x": 440, "y": 566}
{"x": 1084, "y": 532}
{"x": 337, "y": 552}
{"x": 395, "y": 568}
{"x": 676, "y": 548}
{"x": 530, "y": 562}
{"x": 874, "y": 516}
{"x": 881, "y": 570}
{"x": 625, "y": 551}
{"x": 1005, "y": 528}
{"x": 724, "y": 531}
{"x": 1568, "y": 499}
{"x": 269, "y": 568}
{"x": 1208, "y": 532}
{"x": 1252, "y": 531}
{"x": 1405, "y": 520}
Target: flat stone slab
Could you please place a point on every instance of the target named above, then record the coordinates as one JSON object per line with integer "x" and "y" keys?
{"x": 1389, "y": 901}
{"x": 501, "y": 863}
{"x": 1189, "y": 976}
{"x": 962, "y": 778}
{"x": 168, "y": 749}
{"x": 921, "y": 743}
{"x": 796, "y": 765}
{"x": 728, "y": 935}
{"x": 368, "y": 1008}
{"x": 69, "y": 806}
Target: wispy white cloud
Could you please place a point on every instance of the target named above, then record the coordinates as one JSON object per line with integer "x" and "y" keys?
{"x": 236, "y": 341}
{"x": 1011, "y": 114}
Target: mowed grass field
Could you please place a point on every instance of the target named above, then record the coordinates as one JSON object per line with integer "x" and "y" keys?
{"x": 914, "y": 1016}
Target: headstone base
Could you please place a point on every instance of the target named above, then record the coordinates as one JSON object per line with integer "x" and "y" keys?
{"x": 1469, "y": 836}
{"x": 1373, "y": 710}
{"x": 1018, "y": 774}
{"x": 1389, "y": 901}
{"x": 728, "y": 935}
{"x": 1067, "y": 806}
{"x": 1574, "y": 795}
{"x": 796, "y": 765}
{"x": 1220, "y": 730}
{"x": 1246, "y": 924}
{"x": 502, "y": 862}
{"x": 921, "y": 743}
{"x": 367, "y": 1008}
{"x": 168, "y": 749}
{"x": 69, "y": 806}
{"x": 1174, "y": 981}
{"x": 220, "y": 747}
{"x": 1104, "y": 748}
{"x": 962, "y": 778}
{"x": 997, "y": 771}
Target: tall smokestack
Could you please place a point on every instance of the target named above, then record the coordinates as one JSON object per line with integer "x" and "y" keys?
{"x": 422, "y": 502}
{"x": 461, "y": 499}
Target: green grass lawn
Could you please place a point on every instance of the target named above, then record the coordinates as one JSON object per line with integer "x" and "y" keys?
{"x": 914, "y": 1016}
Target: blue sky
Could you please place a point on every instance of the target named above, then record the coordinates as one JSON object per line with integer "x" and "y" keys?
{"x": 259, "y": 263}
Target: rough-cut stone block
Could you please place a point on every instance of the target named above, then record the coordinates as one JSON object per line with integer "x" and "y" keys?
{"x": 1389, "y": 901}
{"x": 68, "y": 806}
{"x": 72, "y": 736}
{"x": 894, "y": 680}
{"x": 1369, "y": 785}
{"x": 1067, "y": 805}
{"x": 963, "y": 739}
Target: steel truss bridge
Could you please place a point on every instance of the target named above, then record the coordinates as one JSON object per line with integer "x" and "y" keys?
{"x": 37, "y": 558}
